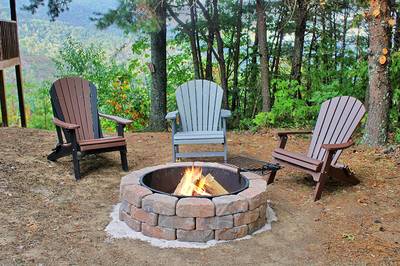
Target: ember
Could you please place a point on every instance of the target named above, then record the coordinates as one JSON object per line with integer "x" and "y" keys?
{"x": 193, "y": 183}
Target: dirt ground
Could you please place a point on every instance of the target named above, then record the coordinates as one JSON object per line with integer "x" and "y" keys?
{"x": 48, "y": 218}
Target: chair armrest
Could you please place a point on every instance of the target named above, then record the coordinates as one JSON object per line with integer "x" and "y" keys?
{"x": 285, "y": 133}
{"x": 172, "y": 115}
{"x": 117, "y": 119}
{"x": 335, "y": 147}
{"x": 225, "y": 113}
{"x": 64, "y": 125}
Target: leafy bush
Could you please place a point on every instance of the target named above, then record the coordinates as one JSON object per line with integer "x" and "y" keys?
{"x": 122, "y": 89}
{"x": 39, "y": 106}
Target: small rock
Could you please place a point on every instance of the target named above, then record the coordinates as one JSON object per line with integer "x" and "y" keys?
{"x": 389, "y": 150}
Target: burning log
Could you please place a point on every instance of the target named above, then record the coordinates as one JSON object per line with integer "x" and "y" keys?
{"x": 193, "y": 183}
{"x": 188, "y": 182}
{"x": 213, "y": 186}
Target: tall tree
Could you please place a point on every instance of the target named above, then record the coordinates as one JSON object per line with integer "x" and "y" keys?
{"x": 262, "y": 46}
{"x": 376, "y": 130}
{"x": 158, "y": 38}
{"x": 236, "y": 55}
{"x": 210, "y": 43}
{"x": 301, "y": 22}
{"x": 396, "y": 39}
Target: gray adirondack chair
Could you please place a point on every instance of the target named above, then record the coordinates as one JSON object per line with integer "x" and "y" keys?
{"x": 201, "y": 119}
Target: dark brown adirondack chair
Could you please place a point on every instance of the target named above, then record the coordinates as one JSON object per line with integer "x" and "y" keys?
{"x": 337, "y": 120}
{"x": 76, "y": 117}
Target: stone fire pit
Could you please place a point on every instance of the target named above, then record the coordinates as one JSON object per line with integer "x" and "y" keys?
{"x": 149, "y": 207}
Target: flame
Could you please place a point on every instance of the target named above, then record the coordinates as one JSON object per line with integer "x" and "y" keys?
{"x": 193, "y": 183}
{"x": 189, "y": 180}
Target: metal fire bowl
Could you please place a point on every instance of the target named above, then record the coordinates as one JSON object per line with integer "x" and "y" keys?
{"x": 163, "y": 179}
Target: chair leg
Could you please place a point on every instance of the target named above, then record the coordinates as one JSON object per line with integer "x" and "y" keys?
{"x": 175, "y": 149}
{"x": 124, "y": 160}
{"x": 75, "y": 161}
{"x": 58, "y": 152}
{"x": 271, "y": 177}
{"x": 225, "y": 152}
{"x": 320, "y": 186}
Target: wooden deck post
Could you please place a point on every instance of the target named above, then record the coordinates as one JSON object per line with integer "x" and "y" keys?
{"x": 10, "y": 56}
{"x": 21, "y": 104}
{"x": 13, "y": 10}
{"x": 4, "y": 118}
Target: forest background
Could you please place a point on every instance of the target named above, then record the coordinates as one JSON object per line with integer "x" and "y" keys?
{"x": 276, "y": 61}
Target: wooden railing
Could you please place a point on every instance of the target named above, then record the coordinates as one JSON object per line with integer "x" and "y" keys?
{"x": 8, "y": 40}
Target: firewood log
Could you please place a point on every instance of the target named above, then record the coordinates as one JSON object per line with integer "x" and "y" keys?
{"x": 213, "y": 187}
{"x": 185, "y": 186}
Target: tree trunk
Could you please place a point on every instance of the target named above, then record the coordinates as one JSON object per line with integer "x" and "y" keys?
{"x": 159, "y": 76}
{"x": 221, "y": 57}
{"x": 193, "y": 44}
{"x": 236, "y": 55}
{"x": 396, "y": 39}
{"x": 210, "y": 43}
{"x": 297, "y": 57}
{"x": 343, "y": 48}
{"x": 253, "y": 75}
{"x": 376, "y": 131}
{"x": 310, "y": 52}
{"x": 262, "y": 46}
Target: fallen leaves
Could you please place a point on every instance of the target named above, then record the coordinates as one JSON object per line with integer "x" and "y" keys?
{"x": 349, "y": 237}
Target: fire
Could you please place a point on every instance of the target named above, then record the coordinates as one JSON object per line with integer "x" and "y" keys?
{"x": 194, "y": 183}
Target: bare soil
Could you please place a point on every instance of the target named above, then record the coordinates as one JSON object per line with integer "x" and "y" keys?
{"x": 48, "y": 218}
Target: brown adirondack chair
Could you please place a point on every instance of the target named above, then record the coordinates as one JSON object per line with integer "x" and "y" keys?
{"x": 337, "y": 120}
{"x": 76, "y": 117}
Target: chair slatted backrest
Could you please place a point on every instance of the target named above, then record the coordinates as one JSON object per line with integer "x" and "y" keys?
{"x": 337, "y": 120}
{"x": 74, "y": 101}
{"x": 199, "y": 104}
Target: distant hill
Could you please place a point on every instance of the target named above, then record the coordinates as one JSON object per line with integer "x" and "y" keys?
{"x": 40, "y": 39}
{"x": 79, "y": 12}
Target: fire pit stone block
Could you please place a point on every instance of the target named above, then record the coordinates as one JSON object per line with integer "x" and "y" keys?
{"x": 158, "y": 232}
{"x": 125, "y": 206}
{"x": 132, "y": 223}
{"x": 258, "y": 183}
{"x": 231, "y": 233}
{"x": 252, "y": 176}
{"x": 195, "y": 235}
{"x": 144, "y": 216}
{"x": 246, "y": 217}
{"x": 230, "y": 204}
{"x": 130, "y": 179}
{"x": 255, "y": 197}
{"x": 217, "y": 222}
{"x": 176, "y": 222}
{"x": 159, "y": 203}
{"x": 260, "y": 222}
{"x": 195, "y": 207}
{"x": 134, "y": 194}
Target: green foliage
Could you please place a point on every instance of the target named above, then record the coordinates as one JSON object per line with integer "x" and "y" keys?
{"x": 395, "y": 82}
{"x": 179, "y": 67}
{"x": 121, "y": 89}
{"x": 40, "y": 107}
